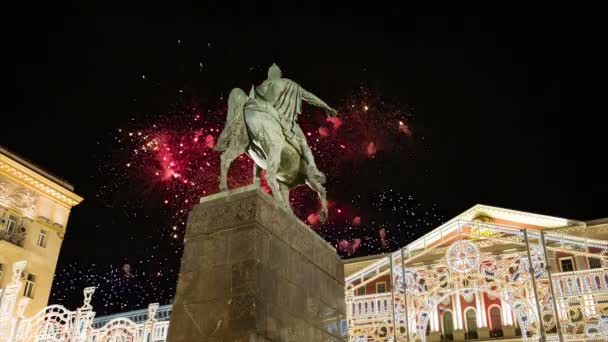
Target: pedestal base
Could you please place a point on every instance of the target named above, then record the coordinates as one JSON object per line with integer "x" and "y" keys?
{"x": 251, "y": 271}
{"x": 508, "y": 331}
{"x": 483, "y": 333}
{"x": 459, "y": 335}
{"x": 434, "y": 336}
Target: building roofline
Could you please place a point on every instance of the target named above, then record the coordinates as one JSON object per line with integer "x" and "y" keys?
{"x": 128, "y": 314}
{"x": 480, "y": 208}
{"x": 597, "y": 221}
{"x": 470, "y": 214}
{"x": 33, "y": 167}
{"x": 364, "y": 258}
{"x": 33, "y": 177}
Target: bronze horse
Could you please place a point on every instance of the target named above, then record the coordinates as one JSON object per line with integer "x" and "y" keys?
{"x": 253, "y": 126}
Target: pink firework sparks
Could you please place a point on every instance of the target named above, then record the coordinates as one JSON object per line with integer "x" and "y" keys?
{"x": 335, "y": 121}
{"x": 383, "y": 237}
{"x": 173, "y": 161}
{"x": 158, "y": 168}
{"x": 349, "y": 246}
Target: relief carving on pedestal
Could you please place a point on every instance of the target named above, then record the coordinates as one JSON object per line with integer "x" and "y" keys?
{"x": 209, "y": 217}
{"x": 312, "y": 307}
{"x": 288, "y": 334}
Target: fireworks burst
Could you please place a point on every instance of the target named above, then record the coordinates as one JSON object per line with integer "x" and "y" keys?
{"x": 173, "y": 156}
{"x": 169, "y": 161}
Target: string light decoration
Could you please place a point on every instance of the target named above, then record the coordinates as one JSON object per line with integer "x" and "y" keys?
{"x": 463, "y": 256}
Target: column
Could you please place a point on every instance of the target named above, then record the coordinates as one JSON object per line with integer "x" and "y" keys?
{"x": 458, "y": 322}
{"x": 482, "y": 320}
{"x": 553, "y": 261}
{"x": 458, "y": 312}
{"x": 482, "y": 323}
{"x": 581, "y": 262}
{"x": 435, "y": 334}
{"x": 435, "y": 320}
{"x": 507, "y": 319}
{"x": 508, "y": 326}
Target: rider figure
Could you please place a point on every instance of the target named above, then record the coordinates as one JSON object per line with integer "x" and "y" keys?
{"x": 286, "y": 96}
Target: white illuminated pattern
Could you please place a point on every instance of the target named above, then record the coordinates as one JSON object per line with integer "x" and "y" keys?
{"x": 463, "y": 256}
{"x": 410, "y": 281}
{"x": 57, "y": 323}
{"x": 598, "y": 330}
{"x": 443, "y": 275}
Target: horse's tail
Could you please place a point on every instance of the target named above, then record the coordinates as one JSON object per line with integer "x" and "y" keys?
{"x": 235, "y": 119}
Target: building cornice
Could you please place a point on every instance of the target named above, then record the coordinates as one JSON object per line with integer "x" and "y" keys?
{"x": 518, "y": 216}
{"x": 582, "y": 230}
{"x": 29, "y": 178}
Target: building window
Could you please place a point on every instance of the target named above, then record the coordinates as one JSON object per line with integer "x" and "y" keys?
{"x": 42, "y": 238}
{"x": 495, "y": 319}
{"x": 381, "y": 287}
{"x": 361, "y": 291}
{"x": 595, "y": 263}
{"x": 11, "y": 226}
{"x": 471, "y": 323}
{"x": 566, "y": 264}
{"x": 29, "y": 285}
{"x": 448, "y": 324}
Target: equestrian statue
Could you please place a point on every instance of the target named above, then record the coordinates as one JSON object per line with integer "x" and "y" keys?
{"x": 264, "y": 124}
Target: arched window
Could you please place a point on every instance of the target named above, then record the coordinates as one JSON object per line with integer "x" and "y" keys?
{"x": 495, "y": 318}
{"x": 471, "y": 320}
{"x": 447, "y": 322}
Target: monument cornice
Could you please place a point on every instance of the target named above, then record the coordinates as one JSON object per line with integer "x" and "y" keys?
{"x": 28, "y": 178}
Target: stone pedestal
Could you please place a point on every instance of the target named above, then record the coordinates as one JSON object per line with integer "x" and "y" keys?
{"x": 483, "y": 333}
{"x": 459, "y": 335}
{"x": 508, "y": 331}
{"x": 434, "y": 336}
{"x": 251, "y": 271}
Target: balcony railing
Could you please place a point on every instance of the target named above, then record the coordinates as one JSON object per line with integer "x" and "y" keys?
{"x": 137, "y": 316}
{"x": 16, "y": 238}
{"x": 576, "y": 283}
{"x": 370, "y": 306}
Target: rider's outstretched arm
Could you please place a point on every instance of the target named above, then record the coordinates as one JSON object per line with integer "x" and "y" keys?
{"x": 314, "y": 100}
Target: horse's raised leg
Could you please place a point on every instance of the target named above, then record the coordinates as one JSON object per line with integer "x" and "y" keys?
{"x": 226, "y": 159}
{"x": 285, "y": 194}
{"x": 317, "y": 187}
{"x": 273, "y": 162}
{"x": 257, "y": 173}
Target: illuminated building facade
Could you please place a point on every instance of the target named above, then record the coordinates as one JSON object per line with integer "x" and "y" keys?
{"x": 487, "y": 273}
{"x": 34, "y": 211}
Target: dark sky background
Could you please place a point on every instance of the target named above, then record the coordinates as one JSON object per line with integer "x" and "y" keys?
{"x": 511, "y": 109}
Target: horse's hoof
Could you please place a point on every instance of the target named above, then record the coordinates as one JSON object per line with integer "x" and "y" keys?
{"x": 223, "y": 188}
{"x": 323, "y": 216}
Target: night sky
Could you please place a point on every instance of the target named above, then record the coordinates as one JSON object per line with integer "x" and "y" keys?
{"x": 436, "y": 114}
